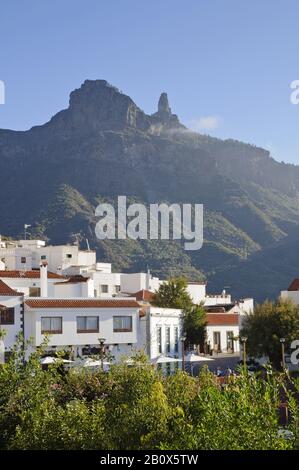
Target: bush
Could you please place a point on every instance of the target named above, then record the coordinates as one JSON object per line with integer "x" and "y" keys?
{"x": 137, "y": 408}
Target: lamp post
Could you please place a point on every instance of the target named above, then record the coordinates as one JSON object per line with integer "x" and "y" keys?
{"x": 183, "y": 339}
{"x": 244, "y": 340}
{"x": 102, "y": 351}
{"x": 2, "y": 335}
{"x": 282, "y": 341}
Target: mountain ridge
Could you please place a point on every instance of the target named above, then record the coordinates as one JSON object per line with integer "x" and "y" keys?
{"x": 103, "y": 145}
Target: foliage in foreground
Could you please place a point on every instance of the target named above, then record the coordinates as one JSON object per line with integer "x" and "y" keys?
{"x": 137, "y": 408}
{"x": 269, "y": 322}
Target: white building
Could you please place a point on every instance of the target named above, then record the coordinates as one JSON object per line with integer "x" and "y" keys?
{"x": 292, "y": 293}
{"x": 224, "y": 322}
{"x": 80, "y": 324}
{"x": 11, "y": 317}
{"x": 29, "y": 282}
{"x": 87, "y": 303}
{"x": 135, "y": 282}
{"x": 27, "y": 255}
{"x": 160, "y": 332}
{"x": 74, "y": 286}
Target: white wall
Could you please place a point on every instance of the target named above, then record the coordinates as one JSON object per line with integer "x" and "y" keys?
{"x": 62, "y": 290}
{"x": 134, "y": 282}
{"x": 22, "y": 284}
{"x": 218, "y": 299}
{"x": 197, "y": 292}
{"x": 62, "y": 257}
{"x": 13, "y": 258}
{"x": 69, "y": 334}
{"x": 86, "y": 258}
{"x": 223, "y": 329}
{"x": 112, "y": 280}
{"x": 160, "y": 317}
{"x": 290, "y": 295}
{"x": 12, "y": 330}
{"x": 246, "y": 306}
{"x": 104, "y": 267}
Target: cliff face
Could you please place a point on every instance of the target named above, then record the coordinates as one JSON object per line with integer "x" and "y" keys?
{"x": 104, "y": 145}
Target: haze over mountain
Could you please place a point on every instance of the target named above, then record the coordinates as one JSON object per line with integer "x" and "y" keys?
{"x": 54, "y": 175}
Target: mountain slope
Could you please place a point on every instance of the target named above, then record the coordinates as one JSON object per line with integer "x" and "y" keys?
{"x": 54, "y": 175}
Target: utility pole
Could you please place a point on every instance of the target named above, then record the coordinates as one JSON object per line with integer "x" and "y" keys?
{"x": 25, "y": 230}
{"x": 183, "y": 339}
{"x": 244, "y": 340}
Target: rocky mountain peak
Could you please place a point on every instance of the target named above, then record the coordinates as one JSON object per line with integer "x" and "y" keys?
{"x": 97, "y": 105}
{"x": 163, "y": 119}
{"x": 163, "y": 104}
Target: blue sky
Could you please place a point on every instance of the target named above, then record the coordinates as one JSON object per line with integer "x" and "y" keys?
{"x": 227, "y": 65}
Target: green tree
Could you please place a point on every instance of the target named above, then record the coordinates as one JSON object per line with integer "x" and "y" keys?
{"x": 137, "y": 408}
{"x": 173, "y": 294}
{"x": 268, "y": 323}
{"x": 195, "y": 322}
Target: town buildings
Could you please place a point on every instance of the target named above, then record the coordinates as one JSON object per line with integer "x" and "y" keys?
{"x": 62, "y": 293}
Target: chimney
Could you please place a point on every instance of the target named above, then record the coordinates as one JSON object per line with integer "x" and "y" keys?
{"x": 44, "y": 279}
{"x": 148, "y": 279}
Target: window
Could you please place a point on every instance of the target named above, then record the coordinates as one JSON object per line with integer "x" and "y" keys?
{"x": 104, "y": 289}
{"x": 7, "y": 316}
{"x": 217, "y": 341}
{"x": 69, "y": 255}
{"x": 167, "y": 339}
{"x": 159, "y": 339}
{"x": 230, "y": 341}
{"x": 122, "y": 324}
{"x": 34, "y": 292}
{"x": 43, "y": 257}
{"x": 117, "y": 288}
{"x": 176, "y": 339}
{"x": 51, "y": 325}
{"x": 87, "y": 324}
{"x": 23, "y": 260}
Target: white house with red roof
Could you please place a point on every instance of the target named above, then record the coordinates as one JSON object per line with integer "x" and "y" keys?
{"x": 80, "y": 324}
{"x": 292, "y": 293}
{"x": 91, "y": 303}
{"x": 29, "y": 282}
{"x": 223, "y": 328}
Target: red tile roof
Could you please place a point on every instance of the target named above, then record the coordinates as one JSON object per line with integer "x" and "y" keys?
{"x": 294, "y": 285}
{"x": 143, "y": 295}
{"x": 73, "y": 280}
{"x": 81, "y": 303}
{"x": 222, "y": 319}
{"x": 35, "y": 274}
{"x": 5, "y": 290}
